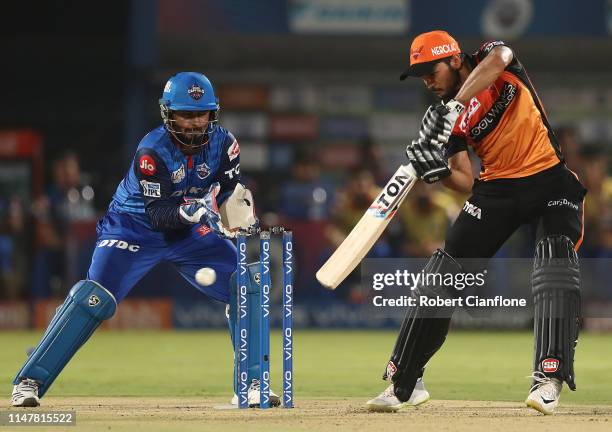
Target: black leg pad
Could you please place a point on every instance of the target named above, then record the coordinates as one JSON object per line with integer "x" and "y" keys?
{"x": 556, "y": 293}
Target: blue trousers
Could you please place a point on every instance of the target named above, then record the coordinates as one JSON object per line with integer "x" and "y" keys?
{"x": 126, "y": 251}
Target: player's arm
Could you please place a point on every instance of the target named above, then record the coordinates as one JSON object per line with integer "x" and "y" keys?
{"x": 228, "y": 174}
{"x": 494, "y": 61}
{"x": 156, "y": 188}
{"x": 166, "y": 212}
{"x": 493, "y": 58}
{"x": 461, "y": 178}
{"x": 235, "y": 201}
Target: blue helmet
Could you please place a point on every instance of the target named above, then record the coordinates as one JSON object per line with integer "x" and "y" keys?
{"x": 189, "y": 91}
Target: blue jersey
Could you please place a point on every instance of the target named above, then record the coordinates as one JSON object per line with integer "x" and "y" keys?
{"x": 162, "y": 177}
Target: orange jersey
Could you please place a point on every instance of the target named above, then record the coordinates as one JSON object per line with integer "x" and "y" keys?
{"x": 506, "y": 126}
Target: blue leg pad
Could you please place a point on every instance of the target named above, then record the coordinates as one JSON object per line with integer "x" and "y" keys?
{"x": 254, "y": 305}
{"x": 87, "y": 305}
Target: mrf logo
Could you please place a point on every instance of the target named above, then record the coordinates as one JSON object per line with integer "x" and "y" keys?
{"x": 472, "y": 210}
{"x": 195, "y": 91}
{"x": 550, "y": 365}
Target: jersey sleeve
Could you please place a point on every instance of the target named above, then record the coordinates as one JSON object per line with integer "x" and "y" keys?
{"x": 486, "y": 48}
{"x": 156, "y": 188}
{"x": 457, "y": 141}
{"x": 228, "y": 174}
{"x": 456, "y": 144}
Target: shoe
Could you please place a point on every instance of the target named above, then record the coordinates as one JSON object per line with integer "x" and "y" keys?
{"x": 25, "y": 394}
{"x": 544, "y": 395}
{"x": 388, "y": 402}
{"x": 254, "y": 396}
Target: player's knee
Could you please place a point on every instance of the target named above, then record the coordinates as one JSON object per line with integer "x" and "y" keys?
{"x": 87, "y": 305}
{"x": 96, "y": 300}
{"x": 555, "y": 246}
{"x": 556, "y": 265}
{"x": 441, "y": 263}
{"x": 252, "y": 287}
{"x": 253, "y": 281}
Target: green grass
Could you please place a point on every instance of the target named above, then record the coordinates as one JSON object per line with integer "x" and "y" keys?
{"x": 336, "y": 364}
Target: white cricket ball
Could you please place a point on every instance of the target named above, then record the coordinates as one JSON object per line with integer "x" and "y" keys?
{"x": 206, "y": 276}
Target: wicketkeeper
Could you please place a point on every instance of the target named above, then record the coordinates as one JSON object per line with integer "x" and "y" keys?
{"x": 490, "y": 104}
{"x": 179, "y": 202}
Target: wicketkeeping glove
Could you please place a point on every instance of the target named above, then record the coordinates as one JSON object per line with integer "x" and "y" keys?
{"x": 439, "y": 121}
{"x": 238, "y": 210}
{"x": 427, "y": 160}
{"x": 204, "y": 211}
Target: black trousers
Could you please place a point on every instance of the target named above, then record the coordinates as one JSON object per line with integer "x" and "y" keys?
{"x": 551, "y": 201}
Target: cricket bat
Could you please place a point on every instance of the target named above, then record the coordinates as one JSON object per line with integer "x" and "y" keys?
{"x": 369, "y": 228}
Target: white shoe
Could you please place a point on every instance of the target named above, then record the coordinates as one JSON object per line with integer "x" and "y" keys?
{"x": 254, "y": 396}
{"x": 25, "y": 394}
{"x": 388, "y": 402}
{"x": 544, "y": 395}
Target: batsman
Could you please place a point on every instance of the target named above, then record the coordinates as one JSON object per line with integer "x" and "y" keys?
{"x": 180, "y": 201}
{"x": 489, "y": 104}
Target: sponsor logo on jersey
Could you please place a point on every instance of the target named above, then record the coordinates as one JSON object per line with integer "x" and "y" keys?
{"x": 471, "y": 109}
{"x": 233, "y": 171}
{"x": 203, "y": 230}
{"x": 195, "y": 191}
{"x": 150, "y": 189}
{"x": 488, "y": 46}
{"x": 391, "y": 369}
{"x": 195, "y": 91}
{"x": 119, "y": 244}
{"x": 178, "y": 175}
{"x": 563, "y": 203}
{"x": 94, "y": 300}
{"x": 444, "y": 49}
{"x": 147, "y": 165}
{"x": 233, "y": 151}
{"x": 472, "y": 210}
{"x": 202, "y": 170}
{"x": 550, "y": 365}
{"x": 495, "y": 113}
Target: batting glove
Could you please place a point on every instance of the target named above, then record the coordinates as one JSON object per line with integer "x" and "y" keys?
{"x": 439, "y": 121}
{"x": 427, "y": 160}
{"x": 204, "y": 211}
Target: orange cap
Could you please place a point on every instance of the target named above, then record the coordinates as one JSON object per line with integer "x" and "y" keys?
{"x": 427, "y": 49}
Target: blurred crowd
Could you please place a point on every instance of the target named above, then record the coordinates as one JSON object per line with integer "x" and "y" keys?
{"x": 46, "y": 245}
